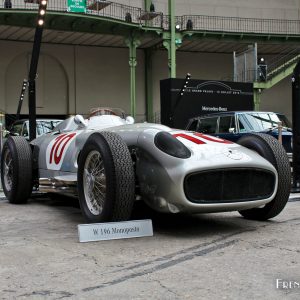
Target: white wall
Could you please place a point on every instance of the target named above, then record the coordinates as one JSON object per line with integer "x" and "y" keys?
{"x": 74, "y": 79}
{"x": 268, "y": 9}
{"x": 54, "y": 87}
{"x": 70, "y": 79}
{"x": 103, "y": 79}
{"x": 273, "y": 9}
{"x": 278, "y": 98}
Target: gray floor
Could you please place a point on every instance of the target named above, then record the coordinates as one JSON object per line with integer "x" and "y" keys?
{"x": 212, "y": 256}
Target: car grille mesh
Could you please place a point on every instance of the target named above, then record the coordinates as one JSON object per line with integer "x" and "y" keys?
{"x": 234, "y": 185}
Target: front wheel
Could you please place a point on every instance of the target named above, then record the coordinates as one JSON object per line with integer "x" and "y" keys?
{"x": 106, "y": 181}
{"x": 269, "y": 148}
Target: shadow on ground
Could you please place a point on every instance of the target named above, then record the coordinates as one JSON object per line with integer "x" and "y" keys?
{"x": 181, "y": 226}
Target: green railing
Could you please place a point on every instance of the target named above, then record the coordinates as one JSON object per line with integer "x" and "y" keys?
{"x": 282, "y": 62}
{"x": 139, "y": 16}
{"x": 244, "y": 25}
{"x": 100, "y": 8}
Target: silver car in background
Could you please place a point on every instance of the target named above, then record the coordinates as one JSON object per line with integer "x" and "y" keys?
{"x": 21, "y": 127}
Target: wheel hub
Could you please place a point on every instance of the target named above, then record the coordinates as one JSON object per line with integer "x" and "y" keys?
{"x": 8, "y": 170}
{"x": 94, "y": 182}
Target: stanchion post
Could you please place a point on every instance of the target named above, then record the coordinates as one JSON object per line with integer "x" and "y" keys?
{"x": 279, "y": 124}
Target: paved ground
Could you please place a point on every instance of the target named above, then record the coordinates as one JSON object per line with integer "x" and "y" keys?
{"x": 213, "y": 256}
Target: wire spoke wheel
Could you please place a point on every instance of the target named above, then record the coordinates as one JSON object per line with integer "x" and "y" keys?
{"x": 8, "y": 170}
{"x": 106, "y": 180}
{"x": 94, "y": 180}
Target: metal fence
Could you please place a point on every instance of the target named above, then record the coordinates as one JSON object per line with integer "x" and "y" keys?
{"x": 268, "y": 71}
{"x": 139, "y": 16}
{"x": 248, "y": 75}
{"x": 102, "y": 8}
{"x": 278, "y": 63}
{"x": 244, "y": 25}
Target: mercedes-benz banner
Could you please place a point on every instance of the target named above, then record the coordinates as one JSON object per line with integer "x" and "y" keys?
{"x": 180, "y": 103}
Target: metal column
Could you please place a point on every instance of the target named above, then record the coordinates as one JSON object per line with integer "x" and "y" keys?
{"x": 172, "y": 45}
{"x": 148, "y": 85}
{"x": 132, "y": 44}
{"x": 256, "y": 98}
{"x": 296, "y": 127}
{"x": 33, "y": 69}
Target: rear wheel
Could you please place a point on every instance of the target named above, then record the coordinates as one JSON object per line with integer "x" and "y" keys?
{"x": 16, "y": 169}
{"x": 269, "y": 148}
{"x": 106, "y": 184}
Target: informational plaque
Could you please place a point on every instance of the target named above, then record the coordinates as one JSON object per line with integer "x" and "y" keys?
{"x": 114, "y": 230}
{"x": 77, "y": 6}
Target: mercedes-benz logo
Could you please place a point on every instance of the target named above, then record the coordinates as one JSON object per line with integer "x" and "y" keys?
{"x": 233, "y": 154}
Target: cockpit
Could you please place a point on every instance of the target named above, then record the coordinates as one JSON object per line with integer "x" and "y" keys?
{"x": 101, "y": 117}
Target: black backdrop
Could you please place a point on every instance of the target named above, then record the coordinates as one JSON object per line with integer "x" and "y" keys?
{"x": 201, "y": 97}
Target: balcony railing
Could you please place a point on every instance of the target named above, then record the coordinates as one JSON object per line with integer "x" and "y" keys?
{"x": 101, "y": 8}
{"x": 242, "y": 25}
{"x": 282, "y": 61}
{"x": 138, "y": 16}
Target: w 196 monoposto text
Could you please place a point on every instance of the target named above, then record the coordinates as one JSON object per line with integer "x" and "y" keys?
{"x": 115, "y": 230}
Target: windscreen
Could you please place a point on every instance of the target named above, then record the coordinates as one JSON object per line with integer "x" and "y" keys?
{"x": 260, "y": 121}
{"x": 102, "y": 111}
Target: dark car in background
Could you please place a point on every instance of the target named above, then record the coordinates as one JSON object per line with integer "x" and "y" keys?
{"x": 233, "y": 125}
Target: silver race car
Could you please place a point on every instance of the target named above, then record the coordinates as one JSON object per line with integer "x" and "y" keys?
{"x": 108, "y": 162}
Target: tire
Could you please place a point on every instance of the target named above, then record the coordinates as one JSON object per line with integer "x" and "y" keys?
{"x": 16, "y": 169}
{"x": 269, "y": 148}
{"x": 107, "y": 195}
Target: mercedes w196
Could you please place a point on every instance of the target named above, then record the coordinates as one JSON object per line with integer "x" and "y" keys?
{"x": 108, "y": 162}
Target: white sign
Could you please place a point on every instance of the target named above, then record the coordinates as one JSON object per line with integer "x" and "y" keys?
{"x": 113, "y": 231}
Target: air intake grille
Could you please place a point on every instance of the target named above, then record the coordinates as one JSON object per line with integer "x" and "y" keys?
{"x": 233, "y": 185}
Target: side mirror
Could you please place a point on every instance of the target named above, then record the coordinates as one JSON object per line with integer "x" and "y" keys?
{"x": 80, "y": 121}
{"x": 231, "y": 130}
{"x": 129, "y": 120}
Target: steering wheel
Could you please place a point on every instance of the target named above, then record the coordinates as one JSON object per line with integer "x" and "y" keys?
{"x": 104, "y": 110}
